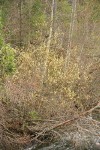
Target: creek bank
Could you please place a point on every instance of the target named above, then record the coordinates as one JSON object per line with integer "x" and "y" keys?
{"x": 74, "y": 141}
{"x": 84, "y": 134}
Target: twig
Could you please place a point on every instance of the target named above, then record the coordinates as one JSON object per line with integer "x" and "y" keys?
{"x": 86, "y": 130}
{"x": 45, "y": 120}
{"x": 76, "y": 118}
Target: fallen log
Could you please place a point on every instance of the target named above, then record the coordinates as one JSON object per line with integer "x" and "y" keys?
{"x": 75, "y": 118}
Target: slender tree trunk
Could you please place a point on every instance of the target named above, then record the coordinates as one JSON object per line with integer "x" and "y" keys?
{"x": 71, "y": 31}
{"x": 29, "y": 21}
{"x": 20, "y": 30}
{"x": 48, "y": 42}
{"x": 85, "y": 39}
{"x": 54, "y": 17}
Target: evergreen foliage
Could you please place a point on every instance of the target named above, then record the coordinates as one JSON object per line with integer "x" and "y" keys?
{"x": 7, "y": 59}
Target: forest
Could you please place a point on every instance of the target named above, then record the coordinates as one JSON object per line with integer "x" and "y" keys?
{"x": 49, "y": 74}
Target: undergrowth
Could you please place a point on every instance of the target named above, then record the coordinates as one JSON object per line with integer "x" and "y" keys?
{"x": 32, "y": 101}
